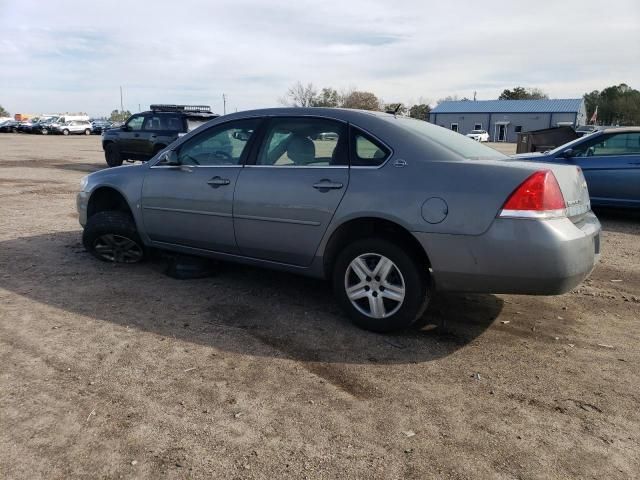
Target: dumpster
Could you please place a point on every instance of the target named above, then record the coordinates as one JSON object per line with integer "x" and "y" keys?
{"x": 545, "y": 139}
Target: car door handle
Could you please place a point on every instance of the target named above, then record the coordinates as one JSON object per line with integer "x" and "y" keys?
{"x": 325, "y": 185}
{"x": 216, "y": 182}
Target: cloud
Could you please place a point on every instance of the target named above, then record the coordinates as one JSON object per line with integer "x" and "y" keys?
{"x": 63, "y": 56}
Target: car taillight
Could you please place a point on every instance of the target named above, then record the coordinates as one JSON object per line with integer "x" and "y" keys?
{"x": 539, "y": 196}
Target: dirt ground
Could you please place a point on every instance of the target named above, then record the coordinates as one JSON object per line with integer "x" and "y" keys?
{"x": 123, "y": 372}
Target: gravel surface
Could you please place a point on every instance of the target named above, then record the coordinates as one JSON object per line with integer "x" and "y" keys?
{"x": 123, "y": 372}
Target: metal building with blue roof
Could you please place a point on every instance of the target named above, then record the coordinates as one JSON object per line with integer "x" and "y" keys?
{"x": 504, "y": 119}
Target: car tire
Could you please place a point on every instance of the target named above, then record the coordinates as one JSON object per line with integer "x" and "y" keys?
{"x": 111, "y": 236}
{"x": 112, "y": 155}
{"x": 45, "y": 131}
{"x": 87, "y": 132}
{"x": 65, "y": 132}
{"x": 375, "y": 310}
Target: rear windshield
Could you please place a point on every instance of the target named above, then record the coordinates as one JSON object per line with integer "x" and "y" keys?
{"x": 457, "y": 143}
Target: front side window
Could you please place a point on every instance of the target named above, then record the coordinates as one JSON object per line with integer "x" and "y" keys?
{"x": 135, "y": 123}
{"x": 304, "y": 142}
{"x": 368, "y": 152}
{"x": 218, "y": 146}
{"x": 612, "y": 145}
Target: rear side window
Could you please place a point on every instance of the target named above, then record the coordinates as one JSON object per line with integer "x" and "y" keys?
{"x": 304, "y": 142}
{"x": 367, "y": 151}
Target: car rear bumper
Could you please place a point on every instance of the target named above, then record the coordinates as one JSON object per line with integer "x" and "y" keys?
{"x": 518, "y": 256}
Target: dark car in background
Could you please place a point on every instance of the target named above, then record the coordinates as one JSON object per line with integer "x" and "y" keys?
{"x": 98, "y": 126}
{"x": 26, "y": 125}
{"x": 145, "y": 134}
{"x": 9, "y": 126}
{"x": 610, "y": 160}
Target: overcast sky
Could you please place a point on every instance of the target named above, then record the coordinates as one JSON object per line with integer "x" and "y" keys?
{"x": 58, "y": 55}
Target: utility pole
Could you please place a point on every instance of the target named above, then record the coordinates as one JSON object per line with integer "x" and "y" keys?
{"x": 474, "y": 95}
{"x": 224, "y": 103}
{"x": 139, "y": 109}
{"x": 121, "y": 104}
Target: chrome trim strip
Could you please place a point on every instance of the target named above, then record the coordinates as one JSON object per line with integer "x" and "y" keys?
{"x": 177, "y": 167}
{"x": 195, "y": 212}
{"x": 544, "y": 214}
{"x": 278, "y": 220}
{"x": 296, "y": 166}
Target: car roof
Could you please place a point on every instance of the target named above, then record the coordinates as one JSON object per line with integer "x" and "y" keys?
{"x": 388, "y": 128}
{"x": 619, "y": 130}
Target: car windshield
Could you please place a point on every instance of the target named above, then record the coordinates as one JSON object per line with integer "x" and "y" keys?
{"x": 459, "y": 144}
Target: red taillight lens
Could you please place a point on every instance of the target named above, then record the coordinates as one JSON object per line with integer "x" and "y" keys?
{"x": 540, "y": 192}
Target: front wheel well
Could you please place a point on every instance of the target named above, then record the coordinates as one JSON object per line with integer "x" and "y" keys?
{"x": 370, "y": 227}
{"x": 107, "y": 198}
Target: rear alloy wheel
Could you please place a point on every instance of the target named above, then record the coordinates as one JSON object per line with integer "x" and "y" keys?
{"x": 87, "y": 132}
{"x": 380, "y": 286}
{"x": 65, "y": 132}
{"x": 111, "y": 236}
{"x": 112, "y": 155}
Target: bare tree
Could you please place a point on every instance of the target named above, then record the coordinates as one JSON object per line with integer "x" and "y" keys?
{"x": 300, "y": 95}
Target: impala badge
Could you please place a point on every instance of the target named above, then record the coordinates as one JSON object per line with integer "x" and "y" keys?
{"x": 400, "y": 163}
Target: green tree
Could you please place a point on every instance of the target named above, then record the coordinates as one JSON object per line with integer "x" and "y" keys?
{"x": 328, "y": 97}
{"x": 361, "y": 100}
{"x": 617, "y": 105}
{"x": 3, "y": 112}
{"x": 521, "y": 93}
{"x": 118, "y": 116}
{"x": 420, "y": 111}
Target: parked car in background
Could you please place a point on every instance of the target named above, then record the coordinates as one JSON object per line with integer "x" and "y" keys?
{"x": 9, "y": 126}
{"x": 98, "y": 126}
{"x": 478, "y": 135}
{"x": 391, "y": 209}
{"x": 610, "y": 160}
{"x": 78, "y": 127}
{"x": 26, "y": 125}
{"x": 145, "y": 134}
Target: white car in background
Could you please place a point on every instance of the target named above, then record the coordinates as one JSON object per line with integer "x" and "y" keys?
{"x": 81, "y": 127}
{"x": 479, "y": 135}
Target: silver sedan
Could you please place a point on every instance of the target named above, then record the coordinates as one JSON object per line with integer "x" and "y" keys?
{"x": 391, "y": 210}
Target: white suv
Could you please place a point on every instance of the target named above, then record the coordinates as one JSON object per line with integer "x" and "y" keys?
{"x": 74, "y": 126}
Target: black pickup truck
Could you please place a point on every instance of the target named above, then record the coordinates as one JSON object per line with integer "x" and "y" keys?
{"x": 145, "y": 134}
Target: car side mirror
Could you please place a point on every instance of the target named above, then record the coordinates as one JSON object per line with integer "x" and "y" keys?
{"x": 242, "y": 136}
{"x": 169, "y": 159}
{"x": 569, "y": 153}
